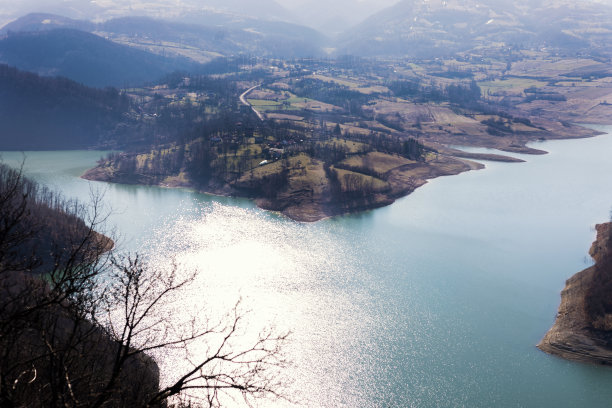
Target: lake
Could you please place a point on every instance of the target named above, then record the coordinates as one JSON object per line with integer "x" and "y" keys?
{"x": 435, "y": 301}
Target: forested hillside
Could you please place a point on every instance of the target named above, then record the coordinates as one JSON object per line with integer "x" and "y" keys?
{"x": 86, "y": 58}
{"x": 75, "y": 317}
{"x": 443, "y": 28}
{"x": 50, "y": 349}
{"x": 40, "y": 113}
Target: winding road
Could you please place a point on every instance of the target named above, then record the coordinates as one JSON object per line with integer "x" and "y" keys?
{"x": 245, "y": 102}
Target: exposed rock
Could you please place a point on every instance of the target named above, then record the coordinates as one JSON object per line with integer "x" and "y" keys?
{"x": 575, "y": 336}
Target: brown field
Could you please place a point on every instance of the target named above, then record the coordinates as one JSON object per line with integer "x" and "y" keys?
{"x": 354, "y": 85}
{"x": 268, "y": 95}
{"x": 378, "y": 184}
{"x": 353, "y": 147}
{"x": 377, "y": 161}
{"x": 549, "y": 67}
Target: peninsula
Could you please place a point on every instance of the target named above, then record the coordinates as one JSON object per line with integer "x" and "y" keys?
{"x": 304, "y": 124}
{"x": 317, "y": 138}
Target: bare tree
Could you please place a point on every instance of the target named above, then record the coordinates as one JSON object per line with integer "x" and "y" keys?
{"x": 78, "y": 324}
{"x": 136, "y": 319}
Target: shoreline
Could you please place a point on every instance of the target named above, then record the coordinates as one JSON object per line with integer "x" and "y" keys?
{"x": 319, "y": 205}
{"x": 297, "y": 206}
{"x": 294, "y": 205}
{"x": 572, "y": 336}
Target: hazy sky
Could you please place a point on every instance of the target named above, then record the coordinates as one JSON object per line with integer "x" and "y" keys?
{"x": 327, "y": 15}
{"x": 294, "y": 3}
{"x": 312, "y": 12}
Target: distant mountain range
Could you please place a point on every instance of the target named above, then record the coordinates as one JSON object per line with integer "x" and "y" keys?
{"x": 86, "y": 58}
{"x": 103, "y": 10}
{"x": 134, "y": 50}
{"x": 201, "y": 35}
{"x": 45, "y": 22}
{"x": 441, "y": 27}
{"x": 220, "y": 34}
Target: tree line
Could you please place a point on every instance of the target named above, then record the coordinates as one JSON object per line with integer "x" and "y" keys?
{"x": 78, "y": 321}
{"x": 44, "y": 113}
{"x": 461, "y": 94}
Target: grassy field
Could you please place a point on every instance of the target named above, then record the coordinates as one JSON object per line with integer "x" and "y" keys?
{"x": 264, "y": 105}
{"x": 343, "y": 82}
{"x": 353, "y": 147}
{"x": 355, "y": 86}
{"x": 307, "y": 173}
{"x": 550, "y": 67}
{"x": 513, "y": 85}
{"x": 296, "y": 99}
{"x": 257, "y": 103}
{"x": 377, "y": 184}
{"x": 377, "y": 161}
{"x": 296, "y": 162}
{"x": 249, "y": 150}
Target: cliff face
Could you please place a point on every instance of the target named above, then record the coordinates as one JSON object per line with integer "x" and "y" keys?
{"x": 583, "y": 329}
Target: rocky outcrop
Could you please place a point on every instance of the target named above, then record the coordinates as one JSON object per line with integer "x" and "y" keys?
{"x": 576, "y": 335}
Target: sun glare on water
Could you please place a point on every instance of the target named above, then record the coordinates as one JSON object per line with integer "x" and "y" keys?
{"x": 287, "y": 276}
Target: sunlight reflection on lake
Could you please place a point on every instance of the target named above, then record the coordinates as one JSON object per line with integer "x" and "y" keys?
{"x": 288, "y": 275}
{"x": 436, "y": 300}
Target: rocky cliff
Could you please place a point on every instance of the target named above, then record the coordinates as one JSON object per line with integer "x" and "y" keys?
{"x": 583, "y": 329}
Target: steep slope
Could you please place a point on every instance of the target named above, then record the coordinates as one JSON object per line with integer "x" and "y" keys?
{"x": 85, "y": 58}
{"x": 48, "y": 331}
{"x": 44, "y": 22}
{"x": 106, "y": 9}
{"x": 76, "y": 9}
{"x": 200, "y": 35}
{"x": 54, "y": 113}
{"x": 418, "y": 28}
{"x": 441, "y": 27}
{"x": 583, "y": 329}
{"x": 219, "y": 33}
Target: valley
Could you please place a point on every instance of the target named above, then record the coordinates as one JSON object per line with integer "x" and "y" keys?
{"x": 242, "y": 147}
{"x": 316, "y": 138}
{"x": 310, "y": 137}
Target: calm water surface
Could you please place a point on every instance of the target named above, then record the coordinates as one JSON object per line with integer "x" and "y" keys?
{"x": 435, "y": 301}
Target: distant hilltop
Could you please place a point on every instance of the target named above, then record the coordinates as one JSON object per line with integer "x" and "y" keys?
{"x": 408, "y": 28}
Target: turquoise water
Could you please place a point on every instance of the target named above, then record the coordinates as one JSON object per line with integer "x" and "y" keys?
{"x": 435, "y": 301}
